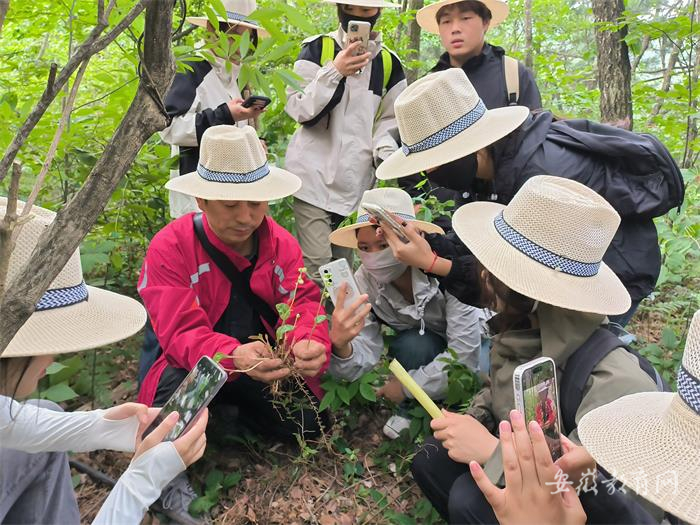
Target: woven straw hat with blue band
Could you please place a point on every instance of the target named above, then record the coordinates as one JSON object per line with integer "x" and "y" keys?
{"x": 71, "y": 316}
{"x": 233, "y": 167}
{"x": 548, "y": 244}
{"x": 237, "y": 13}
{"x": 441, "y": 118}
{"x": 366, "y": 3}
{"x": 393, "y": 200}
{"x": 650, "y": 441}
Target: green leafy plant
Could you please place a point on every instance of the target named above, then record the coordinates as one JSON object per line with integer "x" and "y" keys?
{"x": 215, "y": 484}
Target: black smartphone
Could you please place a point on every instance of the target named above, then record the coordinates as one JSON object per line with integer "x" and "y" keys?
{"x": 257, "y": 101}
{"x": 191, "y": 397}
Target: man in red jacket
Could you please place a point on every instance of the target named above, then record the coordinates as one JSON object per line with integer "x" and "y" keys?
{"x": 211, "y": 281}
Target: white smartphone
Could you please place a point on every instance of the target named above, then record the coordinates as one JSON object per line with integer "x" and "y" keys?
{"x": 536, "y": 397}
{"x": 384, "y": 219}
{"x": 191, "y": 397}
{"x": 358, "y": 31}
{"x": 334, "y": 274}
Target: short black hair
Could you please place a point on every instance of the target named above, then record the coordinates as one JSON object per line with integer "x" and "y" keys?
{"x": 479, "y": 8}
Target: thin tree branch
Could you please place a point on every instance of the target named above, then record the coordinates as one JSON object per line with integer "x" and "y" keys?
{"x": 8, "y": 225}
{"x": 4, "y": 8}
{"x": 93, "y": 44}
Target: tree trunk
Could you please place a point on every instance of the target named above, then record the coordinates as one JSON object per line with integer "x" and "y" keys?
{"x": 414, "y": 41}
{"x": 528, "y": 35}
{"x": 144, "y": 117}
{"x": 4, "y": 8}
{"x": 666, "y": 83}
{"x": 614, "y": 73}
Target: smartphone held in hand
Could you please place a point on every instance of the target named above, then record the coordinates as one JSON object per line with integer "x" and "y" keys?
{"x": 384, "y": 219}
{"x": 334, "y": 274}
{"x": 192, "y": 396}
{"x": 536, "y": 397}
{"x": 358, "y": 31}
{"x": 257, "y": 101}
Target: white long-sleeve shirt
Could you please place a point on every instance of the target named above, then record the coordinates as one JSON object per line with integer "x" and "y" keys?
{"x": 29, "y": 428}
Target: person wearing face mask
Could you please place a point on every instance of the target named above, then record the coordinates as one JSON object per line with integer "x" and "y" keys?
{"x": 345, "y": 109}
{"x": 426, "y": 319}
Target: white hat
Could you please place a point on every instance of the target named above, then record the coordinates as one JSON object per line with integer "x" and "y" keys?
{"x": 650, "y": 441}
{"x": 233, "y": 167}
{"x": 71, "y": 316}
{"x": 548, "y": 244}
{"x": 441, "y": 118}
{"x": 427, "y": 16}
{"x": 365, "y": 3}
{"x": 393, "y": 200}
{"x": 237, "y": 13}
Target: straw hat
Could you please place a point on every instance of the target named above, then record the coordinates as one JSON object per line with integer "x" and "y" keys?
{"x": 233, "y": 167}
{"x": 441, "y": 118}
{"x": 392, "y": 200}
{"x": 237, "y": 12}
{"x": 71, "y": 316}
{"x": 427, "y": 16}
{"x": 364, "y": 3}
{"x": 548, "y": 244}
{"x": 651, "y": 441}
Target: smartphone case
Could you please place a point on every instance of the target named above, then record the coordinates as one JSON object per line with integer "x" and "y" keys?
{"x": 334, "y": 274}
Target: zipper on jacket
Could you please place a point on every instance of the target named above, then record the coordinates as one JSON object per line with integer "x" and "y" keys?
{"x": 422, "y": 327}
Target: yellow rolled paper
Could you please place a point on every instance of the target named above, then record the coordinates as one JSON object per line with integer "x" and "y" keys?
{"x": 415, "y": 389}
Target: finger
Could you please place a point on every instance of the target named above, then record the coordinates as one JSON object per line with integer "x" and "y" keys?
{"x": 544, "y": 465}
{"x": 274, "y": 375}
{"x": 523, "y": 445}
{"x": 566, "y": 444}
{"x": 511, "y": 467}
{"x": 261, "y": 349}
{"x": 494, "y": 495}
{"x": 359, "y": 302}
{"x": 413, "y": 233}
{"x": 197, "y": 428}
{"x": 159, "y": 432}
{"x": 268, "y": 365}
{"x": 359, "y": 319}
{"x": 439, "y": 423}
{"x": 150, "y": 416}
{"x": 340, "y": 298}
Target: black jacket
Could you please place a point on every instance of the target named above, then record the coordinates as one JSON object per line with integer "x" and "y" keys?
{"x": 486, "y": 73}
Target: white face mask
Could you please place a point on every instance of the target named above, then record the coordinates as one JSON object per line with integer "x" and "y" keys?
{"x": 382, "y": 265}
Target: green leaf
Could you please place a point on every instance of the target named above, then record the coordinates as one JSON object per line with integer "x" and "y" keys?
{"x": 367, "y": 392}
{"x": 320, "y": 318}
{"x": 343, "y": 394}
{"x": 202, "y": 505}
{"x": 283, "y": 310}
{"x": 54, "y": 368}
{"x": 327, "y": 400}
{"x": 283, "y": 330}
{"x": 58, "y": 393}
{"x": 669, "y": 339}
{"x": 219, "y": 356}
{"x": 231, "y": 480}
{"x": 244, "y": 44}
{"x": 214, "y": 480}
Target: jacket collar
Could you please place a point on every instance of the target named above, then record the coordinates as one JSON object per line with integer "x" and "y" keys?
{"x": 265, "y": 245}
{"x": 488, "y": 52}
{"x": 424, "y": 289}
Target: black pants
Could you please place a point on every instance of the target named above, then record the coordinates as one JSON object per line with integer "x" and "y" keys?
{"x": 449, "y": 486}
{"x": 255, "y": 405}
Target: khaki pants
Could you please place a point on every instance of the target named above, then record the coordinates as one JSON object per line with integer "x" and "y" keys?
{"x": 314, "y": 225}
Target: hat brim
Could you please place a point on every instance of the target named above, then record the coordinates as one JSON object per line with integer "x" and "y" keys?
{"x": 277, "y": 184}
{"x": 347, "y": 237}
{"x": 494, "y": 125}
{"x": 365, "y": 3}
{"x": 650, "y": 436}
{"x": 426, "y": 17}
{"x": 201, "y": 21}
{"x": 602, "y": 293}
{"x": 105, "y": 318}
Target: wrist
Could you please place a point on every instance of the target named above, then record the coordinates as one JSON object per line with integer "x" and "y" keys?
{"x": 343, "y": 350}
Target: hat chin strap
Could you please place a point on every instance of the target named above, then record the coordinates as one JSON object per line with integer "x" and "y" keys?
{"x": 62, "y": 297}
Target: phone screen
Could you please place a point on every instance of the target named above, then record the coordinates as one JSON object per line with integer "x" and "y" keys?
{"x": 192, "y": 395}
{"x": 541, "y": 403}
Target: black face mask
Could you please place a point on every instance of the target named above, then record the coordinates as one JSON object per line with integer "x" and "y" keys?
{"x": 345, "y": 18}
{"x": 457, "y": 175}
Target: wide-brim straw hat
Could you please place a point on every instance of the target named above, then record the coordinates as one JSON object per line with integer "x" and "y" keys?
{"x": 441, "y": 118}
{"x": 393, "y": 200}
{"x": 71, "y": 316}
{"x": 365, "y": 3}
{"x": 233, "y": 167}
{"x": 427, "y": 16}
{"x": 237, "y": 13}
{"x": 548, "y": 244}
{"x": 650, "y": 441}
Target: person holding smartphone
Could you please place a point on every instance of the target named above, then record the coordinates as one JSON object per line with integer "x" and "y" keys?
{"x": 540, "y": 269}
{"x": 346, "y": 111}
{"x": 35, "y": 435}
{"x": 427, "y": 320}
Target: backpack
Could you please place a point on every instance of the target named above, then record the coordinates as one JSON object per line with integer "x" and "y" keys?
{"x": 510, "y": 71}
{"x": 328, "y": 53}
{"x": 580, "y": 365}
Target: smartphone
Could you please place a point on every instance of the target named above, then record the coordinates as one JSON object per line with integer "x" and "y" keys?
{"x": 536, "y": 397}
{"x": 384, "y": 219}
{"x": 358, "y": 31}
{"x": 334, "y": 274}
{"x": 191, "y": 397}
{"x": 259, "y": 102}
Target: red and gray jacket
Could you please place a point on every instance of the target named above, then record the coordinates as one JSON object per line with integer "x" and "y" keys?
{"x": 185, "y": 294}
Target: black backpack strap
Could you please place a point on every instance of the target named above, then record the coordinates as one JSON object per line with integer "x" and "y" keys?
{"x": 239, "y": 280}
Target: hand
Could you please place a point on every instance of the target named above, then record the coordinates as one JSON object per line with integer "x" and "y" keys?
{"x": 309, "y": 357}
{"x": 190, "y": 446}
{"x": 347, "y": 63}
{"x": 416, "y": 252}
{"x": 576, "y": 461}
{"x": 347, "y": 322}
{"x": 392, "y": 390}
{"x": 145, "y": 415}
{"x": 256, "y": 360}
{"x": 464, "y": 437}
{"x": 238, "y": 112}
{"x": 528, "y": 468}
